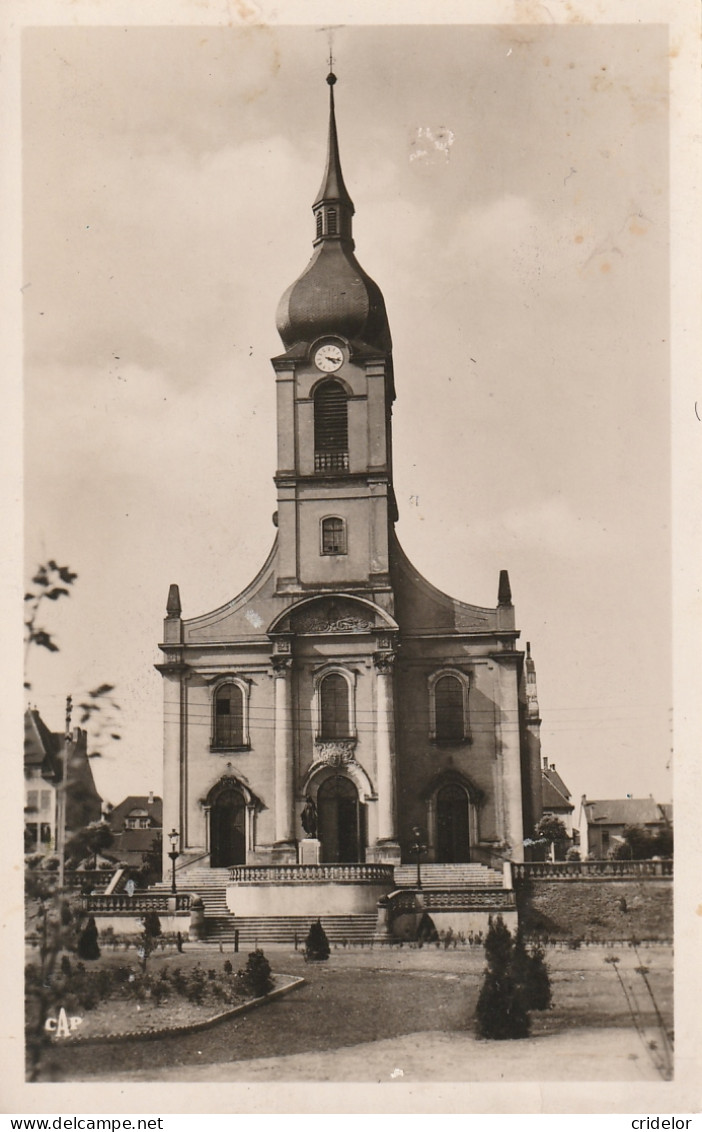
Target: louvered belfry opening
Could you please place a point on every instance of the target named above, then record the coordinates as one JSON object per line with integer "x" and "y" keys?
{"x": 331, "y": 428}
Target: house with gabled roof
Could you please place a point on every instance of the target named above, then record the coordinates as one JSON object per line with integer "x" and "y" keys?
{"x": 50, "y": 760}
{"x": 607, "y": 819}
{"x": 555, "y": 800}
{"x": 136, "y": 823}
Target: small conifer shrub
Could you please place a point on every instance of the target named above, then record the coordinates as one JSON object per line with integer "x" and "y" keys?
{"x": 256, "y": 978}
{"x": 539, "y": 982}
{"x": 317, "y": 944}
{"x": 501, "y": 1012}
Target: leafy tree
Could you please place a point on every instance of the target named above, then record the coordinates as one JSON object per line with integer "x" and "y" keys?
{"x": 148, "y": 937}
{"x": 552, "y": 831}
{"x": 57, "y": 916}
{"x": 50, "y": 583}
{"x": 638, "y": 844}
{"x": 152, "y": 862}
{"x": 87, "y": 843}
{"x": 664, "y": 842}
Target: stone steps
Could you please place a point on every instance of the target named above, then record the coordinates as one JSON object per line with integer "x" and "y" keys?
{"x": 260, "y": 930}
{"x": 448, "y": 876}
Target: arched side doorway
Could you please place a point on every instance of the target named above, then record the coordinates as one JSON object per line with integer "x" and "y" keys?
{"x": 341, "y": 821}
{"x": 452, "y": 835}
{"x": 230, "y": 812}
{"x": 228, "y": 828}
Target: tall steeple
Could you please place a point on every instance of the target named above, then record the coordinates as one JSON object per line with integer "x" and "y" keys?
{"x": 333, "y": 207}
{"x": 335, "y": 391}
{"x": 333, "y": 295}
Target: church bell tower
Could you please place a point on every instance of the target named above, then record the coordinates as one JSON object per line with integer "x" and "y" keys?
{"x": 335, "y": 390}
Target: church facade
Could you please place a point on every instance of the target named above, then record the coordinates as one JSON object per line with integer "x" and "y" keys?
{"x": 342, "y": 710}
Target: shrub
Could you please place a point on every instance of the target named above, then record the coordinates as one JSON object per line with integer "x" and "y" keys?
{"x": 426, "y": 930}
{"x": 539, "y": 985}
{"x": 228, "y": 969}
{"x": 88, "y": 947}
{"x": 195, "y": 986}
{"x": 255, "y": 977}
{"x": 519, "y": 965}
{"x": 317, "y": 944}
{"x": 152, "y": 925}
{"x": 160, "y": 990}
{"x": 501, "y": 1012}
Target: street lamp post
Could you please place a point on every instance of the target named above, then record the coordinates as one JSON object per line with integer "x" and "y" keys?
{"x": 418, "y": 848}
{"x": 173, "y": 837}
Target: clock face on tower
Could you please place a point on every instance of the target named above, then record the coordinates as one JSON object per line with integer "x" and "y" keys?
{"x": 328, "y": 358}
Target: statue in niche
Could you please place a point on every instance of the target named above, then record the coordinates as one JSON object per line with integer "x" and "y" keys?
{"x": 309, "y": 817}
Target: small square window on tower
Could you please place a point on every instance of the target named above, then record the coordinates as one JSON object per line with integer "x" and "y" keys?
{"x": 333, "y": 536}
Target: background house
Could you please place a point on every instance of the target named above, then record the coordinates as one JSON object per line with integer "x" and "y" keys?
{"x": 555, "y": 800}
{"x": 44, "y": 755}
{"x": 136, "y": 824}
{"x": 605, "y": 821}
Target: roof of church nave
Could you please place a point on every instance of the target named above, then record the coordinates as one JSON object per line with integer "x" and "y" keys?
{"x": 333, "y": 295}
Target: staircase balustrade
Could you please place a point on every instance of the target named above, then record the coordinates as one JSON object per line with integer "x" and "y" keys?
{"x": 123, "y": 903}
{"x": 311, "y": 874}
{"x": 589, "y": 870}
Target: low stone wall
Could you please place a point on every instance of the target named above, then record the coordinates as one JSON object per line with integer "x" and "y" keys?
{"x": 597, "y": 910}
{"x": 122, "y": 924}
{"x": 405, "y": 925}
{"x": 304, "y": 899}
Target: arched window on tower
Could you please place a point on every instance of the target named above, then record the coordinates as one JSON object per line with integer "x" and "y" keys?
{"x": 331, "y": 222}
{"x": 333, "y": 540}
{"x": 228, "y": 730}
{"x": 319, "y": 224}
{"x": 448, "y": 692}
{"x": 331, "y": 428}
{"x": 334, "y": 719}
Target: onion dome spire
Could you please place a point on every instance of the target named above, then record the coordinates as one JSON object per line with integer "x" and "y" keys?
{"x": 333, "y": 295}
{"x": 333, "y": 207}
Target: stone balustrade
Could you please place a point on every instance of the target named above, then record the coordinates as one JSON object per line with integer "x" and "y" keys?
{"x": 436, "y": 901}
{"x": 140, "y": 902}
{"x": 311, "y": 874}
{"x": 590, "y": 870}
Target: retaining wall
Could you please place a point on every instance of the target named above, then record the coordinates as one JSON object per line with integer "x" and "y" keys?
{"x": 597, "y": 910}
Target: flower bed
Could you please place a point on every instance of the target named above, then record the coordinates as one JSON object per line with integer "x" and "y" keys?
{"x": 116, "y": 1000}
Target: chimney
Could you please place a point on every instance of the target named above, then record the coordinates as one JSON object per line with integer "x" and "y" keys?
{"x": 151, "y": 798}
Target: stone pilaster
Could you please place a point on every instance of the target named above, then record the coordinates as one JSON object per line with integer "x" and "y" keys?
{"x": 282, "y": 676}
{"x": 174, "y": 676}
{"x": 385, "y": 754}
{"x": 509, "y": 758}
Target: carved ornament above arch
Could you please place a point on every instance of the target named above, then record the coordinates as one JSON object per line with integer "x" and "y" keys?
{"x": 332, "y": 614}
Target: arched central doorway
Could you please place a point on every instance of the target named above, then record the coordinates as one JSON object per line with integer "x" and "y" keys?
{"x": 452, "y": 825}
{"x": 228, "y": 828}
{"x": 341, "y": 819}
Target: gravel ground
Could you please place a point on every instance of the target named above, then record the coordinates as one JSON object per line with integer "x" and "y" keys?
{"x": 369, "y": 1013}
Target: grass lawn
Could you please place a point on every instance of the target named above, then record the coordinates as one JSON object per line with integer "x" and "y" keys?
{"x": 362, "y": 996}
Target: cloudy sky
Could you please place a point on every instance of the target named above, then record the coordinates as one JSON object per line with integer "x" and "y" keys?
{"x": 511, "y": 193}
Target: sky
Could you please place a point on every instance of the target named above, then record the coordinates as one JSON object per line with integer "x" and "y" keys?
{"x": 511, "y": 193}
